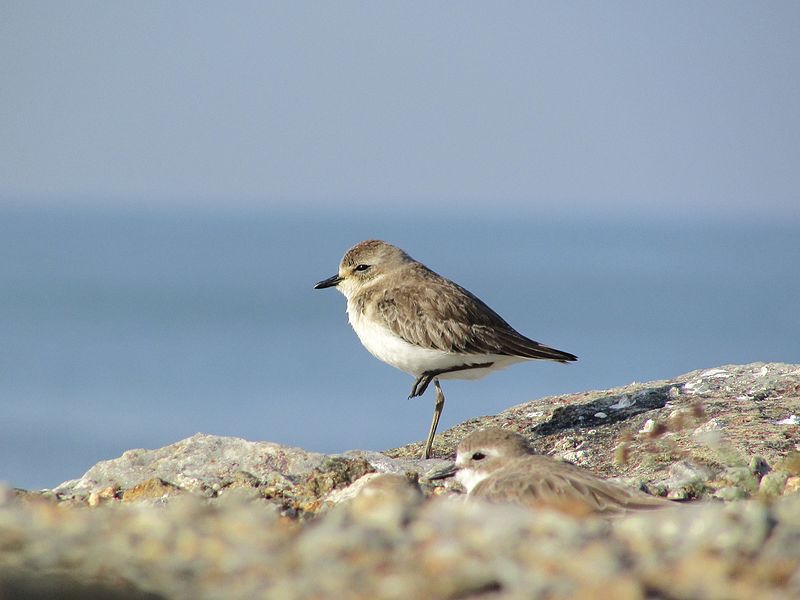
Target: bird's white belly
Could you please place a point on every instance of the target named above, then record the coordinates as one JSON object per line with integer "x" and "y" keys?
{"x": 415, "y": 360}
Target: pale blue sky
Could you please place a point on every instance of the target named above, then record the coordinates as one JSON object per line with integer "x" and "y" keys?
{"x": 559, "y": 108}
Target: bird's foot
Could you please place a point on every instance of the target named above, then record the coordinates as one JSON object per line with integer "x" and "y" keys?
{"x": 421, "y": 384}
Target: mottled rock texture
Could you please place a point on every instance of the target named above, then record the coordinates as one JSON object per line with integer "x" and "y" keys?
{"x": 212, "y": 517}
{"x": 688, "y": 436}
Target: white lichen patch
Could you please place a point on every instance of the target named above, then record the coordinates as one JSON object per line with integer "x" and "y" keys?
{"x": 648, "y": 426}
{"x": 624, "y": 402}
{"x": 790, "y": 420}
{"x": 691, "y": 387}
{"x": 715, "y": 374}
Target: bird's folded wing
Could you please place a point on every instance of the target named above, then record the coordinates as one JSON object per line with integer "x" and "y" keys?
{"x": 444, "y": 316}
{"x": 566, "y": 487}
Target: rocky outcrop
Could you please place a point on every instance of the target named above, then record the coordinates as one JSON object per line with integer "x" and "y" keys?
{"x": 690, "y": 436}
{"x": 211, "y": 517}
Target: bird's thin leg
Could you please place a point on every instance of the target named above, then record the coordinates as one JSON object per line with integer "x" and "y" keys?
{"x": 437, "y": 412}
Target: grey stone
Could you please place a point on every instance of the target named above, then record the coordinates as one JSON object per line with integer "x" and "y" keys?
{"x": 202, "y": 464}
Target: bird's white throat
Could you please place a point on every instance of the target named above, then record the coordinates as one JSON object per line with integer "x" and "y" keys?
{"x": 469, "y": 478}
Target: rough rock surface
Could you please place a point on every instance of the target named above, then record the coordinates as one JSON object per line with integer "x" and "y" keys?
{"x": 212, "y": 517}
{"x": 685, "y": 437}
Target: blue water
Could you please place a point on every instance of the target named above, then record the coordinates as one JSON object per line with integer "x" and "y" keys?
{"x": 136, "y": 329}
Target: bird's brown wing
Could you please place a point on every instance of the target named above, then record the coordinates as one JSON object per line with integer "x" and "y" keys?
{"x": 540, "y": 481}
{"x": 444, "y": 316}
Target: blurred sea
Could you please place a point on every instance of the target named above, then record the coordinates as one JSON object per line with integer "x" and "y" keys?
{"x": 125, "y": 329}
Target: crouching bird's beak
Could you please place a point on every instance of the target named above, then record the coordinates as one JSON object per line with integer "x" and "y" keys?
{"x": 443, "y": 473}
{"x": 329, "y": 282}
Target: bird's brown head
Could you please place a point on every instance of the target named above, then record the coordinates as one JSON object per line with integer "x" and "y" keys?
{"x": 486, "y": 445}
{"x": 364, "y": 263}
{"x": 482, "y": 453}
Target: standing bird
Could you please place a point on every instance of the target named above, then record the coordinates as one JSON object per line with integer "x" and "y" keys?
{"x": 416, "y": 320}
{"x": 496, "y": 465}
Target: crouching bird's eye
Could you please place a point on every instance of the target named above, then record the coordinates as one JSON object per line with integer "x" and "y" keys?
{"x": 362, "y": 267}
{"x": 478, "y": 456}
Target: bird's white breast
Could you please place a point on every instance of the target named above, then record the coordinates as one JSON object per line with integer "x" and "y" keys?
{"x": 384, "y": 345}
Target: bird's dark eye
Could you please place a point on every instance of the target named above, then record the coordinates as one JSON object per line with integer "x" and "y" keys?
{"x": 362, "y": 267}
{"x": 478, "y": 456}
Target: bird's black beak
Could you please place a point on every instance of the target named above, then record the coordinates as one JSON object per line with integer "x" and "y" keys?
{"x": 329, "y": 282}
{"x": 443, "y": 473}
